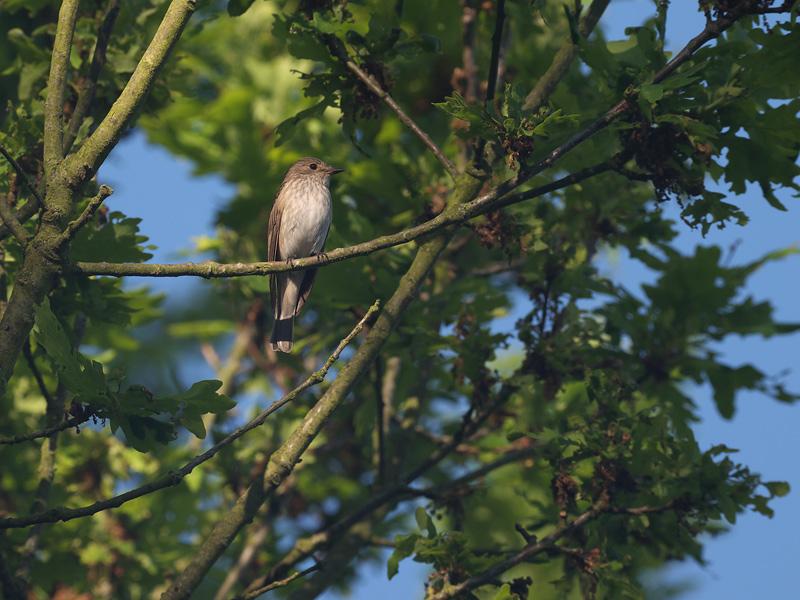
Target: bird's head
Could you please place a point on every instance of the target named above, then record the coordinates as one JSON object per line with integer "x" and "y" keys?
{"x": 314, "y": 168}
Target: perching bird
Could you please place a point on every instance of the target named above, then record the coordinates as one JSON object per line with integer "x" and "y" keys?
{"x": 298, "y": 227}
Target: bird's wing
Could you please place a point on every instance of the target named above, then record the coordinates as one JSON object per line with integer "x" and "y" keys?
{"x": 308, "y": 280}
{"x": 273, "y": 249}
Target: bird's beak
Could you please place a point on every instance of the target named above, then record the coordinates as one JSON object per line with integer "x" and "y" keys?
{"x": 335, "y": 170}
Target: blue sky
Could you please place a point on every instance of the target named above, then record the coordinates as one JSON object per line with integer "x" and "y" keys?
{"x": 757, "y": 559}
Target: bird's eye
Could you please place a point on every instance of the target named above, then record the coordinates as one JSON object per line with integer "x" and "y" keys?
{"x": 313, "y": 166}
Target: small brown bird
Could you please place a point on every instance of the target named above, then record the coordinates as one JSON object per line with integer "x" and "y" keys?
{"x": 298, "y": 227}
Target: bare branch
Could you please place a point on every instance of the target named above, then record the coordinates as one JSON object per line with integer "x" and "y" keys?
{"x": 276, "y": 584}
{"x": 88, "y": 212}
{"x": 212, "y": 270}
{"x": 27, "y": 437}
{"x": 174, "y": 477}
{"x": 497, "y": 39}
{"x": 563, "y": 59}
{"x": 81, "y": 165}
{"x": 56, "y": 86}
{"x": 469, "y": 68}
{"x": 22, "y": 175}
{"x": 243, "y": 562}
{"x": 87, "y": 92}
{"x": 335, "y": 48}
{"x": 10, "y": 219}
{"x": 24, "y": 213}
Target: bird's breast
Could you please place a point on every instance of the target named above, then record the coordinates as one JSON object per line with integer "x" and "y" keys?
{"x": 305, "y": 220}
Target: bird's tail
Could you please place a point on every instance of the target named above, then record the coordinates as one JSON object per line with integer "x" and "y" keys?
{"x": 282, "y": 334}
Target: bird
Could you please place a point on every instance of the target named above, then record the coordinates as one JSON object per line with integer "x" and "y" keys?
{"x": 299, "y": 223}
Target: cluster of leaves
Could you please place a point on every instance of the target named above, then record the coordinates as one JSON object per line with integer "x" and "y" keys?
{"x": 512, "y": 128}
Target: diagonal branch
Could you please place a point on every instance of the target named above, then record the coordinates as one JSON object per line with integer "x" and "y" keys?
{"x": 56, "y": 86}
{"x": 276, "y": 584}
{"x": 535, "y": 547}
{"x": 494, "y": 63}
{"x": 175, "y": 477}
{"x": 213, "y": 270}
{"x": 21, "y": 174}
{"x": 339, "y": 52}
{"x": 10, "y": 219}
{"x": 85, "y": 162}
{"x": 563, "y": 59}
{"x": 74, "y": 226}
{"x": 89, "y": 85}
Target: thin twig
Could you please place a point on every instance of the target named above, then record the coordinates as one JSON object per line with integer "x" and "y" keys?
{"x": 74, "y": 226}
{"x": 10, "y": 219}
{"x": 174, "y": 477}
{"x": 34, "y": 435}
{"x": 547, "y": 83}
{"x": 243, "y": 562}
{"x": 338, "y": 51}
{"x": 37, "y": 375}
{"x": 276, "y": 584}
{"x": 469, "y": 23}
{"x": 22, "y": 175}
{"x": 497, "y": 38}
{"x": 89, "y": 87}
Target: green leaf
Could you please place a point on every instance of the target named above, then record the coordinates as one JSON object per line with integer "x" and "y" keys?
{"x": 480, "y": 122}
{"x": 237, "y": 8}
{"x": 652, "y": 92}
{"x": 504, "y": 593}
{"x": 778, "y": 488}
{"x": 425, "y": 522}
{"x": 403, "y": 547}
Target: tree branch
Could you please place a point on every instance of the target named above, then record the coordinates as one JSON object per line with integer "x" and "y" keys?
{"x": 276, "y": 584}
{"x": 85, "y": 162}
{"x": 174, "y": 477}
{"x": 563, "y": 59}
{"x": 88, "y": 212}
{"x": 243, "y": 562}
{"x": 22, "y": 174}
{"x": 56, "y": 86}
{"x": 87, "y": 92}
{"x": 10, "y": 219}
{"x": 28, "y": 209}
{"x": 497, "y": 39}
{"x": 27, "y": 437}
{"x": 213, "y": 270}
{"x": 339, "y": 52}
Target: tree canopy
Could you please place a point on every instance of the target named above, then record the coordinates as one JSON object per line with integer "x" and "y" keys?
{"x": 494, "y": 151}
